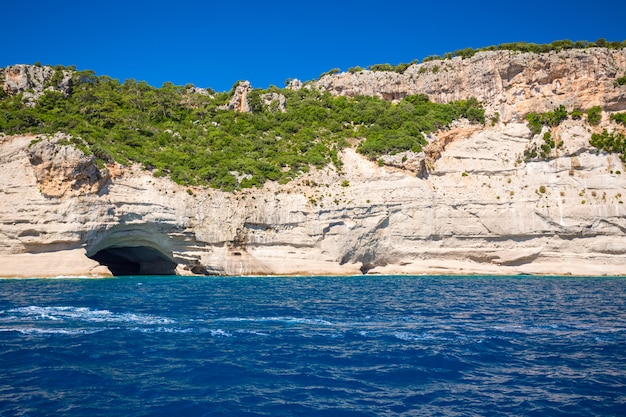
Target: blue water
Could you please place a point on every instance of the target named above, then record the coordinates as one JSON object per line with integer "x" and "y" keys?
{"x": 319, "y": 346}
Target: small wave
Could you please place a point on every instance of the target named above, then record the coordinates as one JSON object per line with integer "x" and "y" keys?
{"x": 84, "y": 314}
{"x": 39, "y": 331}
{"x": 287, "y": 320}
{"x": 253, "y": 332}
{"x": 218, "y": 333}
{"x": 412, "y": 337}
{"x": 161, "y": 329}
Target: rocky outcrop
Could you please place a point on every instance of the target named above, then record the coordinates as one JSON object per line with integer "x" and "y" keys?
{"x": 480, "y": 208}
{"x": 294, "y": 84}
{"x": 33, "y": 80}
{"x": 509, "y": 83}
{"x": 274, "y": 102}
{"x": 239, "y": 100}
{"x": 63, "y": 170}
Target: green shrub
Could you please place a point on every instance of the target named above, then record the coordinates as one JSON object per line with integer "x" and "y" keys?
{"x": 558, "y": 115}
{"x": 594, "y": 115}
{"x": 552, "y": 118}
{"x": 400, "y": 68}
{"x": 400, "y": 127}
{"x": 619, "y": 118}
{"x": 534, "y": 123}
{"x": 576, "y": 114}
{"x": 330, "y": 72}
{"x": 544, "y": 150}
{"x": 609, "y": 142}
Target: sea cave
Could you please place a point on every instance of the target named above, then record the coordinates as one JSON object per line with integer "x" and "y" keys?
{"x": 135, "y": 250}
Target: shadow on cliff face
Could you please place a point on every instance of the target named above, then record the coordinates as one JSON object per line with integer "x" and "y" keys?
{"x": 133, "y": 250}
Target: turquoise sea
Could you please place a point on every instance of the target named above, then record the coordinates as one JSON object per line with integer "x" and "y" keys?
{"x": 313, "y": 346}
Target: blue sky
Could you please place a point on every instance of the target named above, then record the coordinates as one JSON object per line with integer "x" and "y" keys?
{"x": 215, "y": 44}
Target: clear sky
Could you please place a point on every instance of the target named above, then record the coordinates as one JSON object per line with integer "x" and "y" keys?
{"x": 214, "y": 44}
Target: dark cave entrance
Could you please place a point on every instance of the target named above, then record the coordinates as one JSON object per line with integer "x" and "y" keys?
{"x": 136, "y": 260}
{"x": 132, "y": 249}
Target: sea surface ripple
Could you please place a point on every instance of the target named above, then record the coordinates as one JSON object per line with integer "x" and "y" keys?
{"x": 313, "y": 346}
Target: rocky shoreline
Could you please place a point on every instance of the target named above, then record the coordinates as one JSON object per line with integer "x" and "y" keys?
{"x": 476, "y": 213}
{"x": 479, "y": 208}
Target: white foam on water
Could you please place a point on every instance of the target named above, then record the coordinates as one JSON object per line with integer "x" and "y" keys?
{"x": 39, "y": 331}
{"x": 84, "y": 314}
{"x": 219, "y": 333}
{"x": 288, "y": 320}
{"x": 412, "y": 337}
{"x": 161, "y": 329}
{"x": 253, "y": 332}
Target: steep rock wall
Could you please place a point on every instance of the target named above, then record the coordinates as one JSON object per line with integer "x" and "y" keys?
{"x": 510, "y": 83}
{"x": 479, "y": 209}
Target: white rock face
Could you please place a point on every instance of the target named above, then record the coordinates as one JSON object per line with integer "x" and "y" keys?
{"x": 274, "y": 102}
{"x": 32, "y": 81}
{"x": 480, "y": 208}
{"x": 63, "y": 169}
{"x": 239, "y": 101}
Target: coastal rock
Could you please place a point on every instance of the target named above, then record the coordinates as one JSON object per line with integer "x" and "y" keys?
{"x": 470, "y": 204}
{"x": 64, "y": 170}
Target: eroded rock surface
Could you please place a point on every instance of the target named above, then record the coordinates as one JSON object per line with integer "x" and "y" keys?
{"x": 64, "y": 170}
{"x": 33, "y": 80}
{"x": 510, "y": 83}
{"x": 239, "y": 100}
{"x": 480, "y": 208}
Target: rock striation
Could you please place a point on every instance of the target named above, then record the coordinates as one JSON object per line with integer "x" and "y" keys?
{"x": 476, "y": 206}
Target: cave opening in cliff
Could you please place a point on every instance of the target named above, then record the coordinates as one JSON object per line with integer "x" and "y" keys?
{"x": 136, "y": 260}
{"x": 132, "y": 249}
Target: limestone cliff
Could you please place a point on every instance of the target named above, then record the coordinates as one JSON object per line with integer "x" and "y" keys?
{"x": 478, "y": 208}
{"x": 510, "y": 83}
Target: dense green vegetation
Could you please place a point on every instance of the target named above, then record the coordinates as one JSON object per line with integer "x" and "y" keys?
{"x": 399, "y": 127}
{"x": 189, "y": 136}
